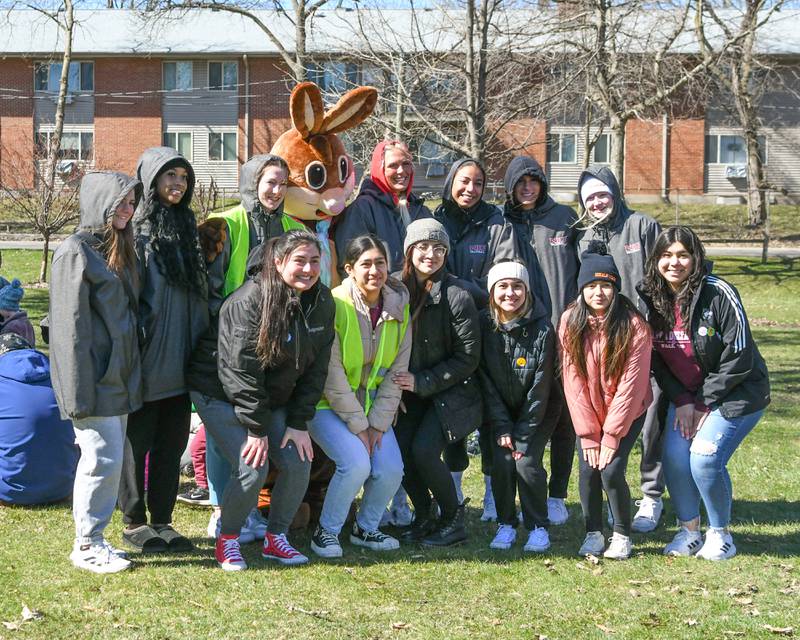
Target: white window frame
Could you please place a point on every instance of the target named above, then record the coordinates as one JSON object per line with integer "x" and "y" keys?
{"x": 764, "y": 148}
{"x": 223, "y": 160}
{"x": 223, "y": 86}
{"x": 177, "y": 133}
{"x": 176, "y": 63}
{"x": 53, "y": 87}
{"x": 561, "y": 135}
{"x": 48, "y": 132}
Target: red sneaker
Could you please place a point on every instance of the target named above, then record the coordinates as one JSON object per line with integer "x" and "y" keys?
{"x": 228, "y": 554}
{"x": 276, "y": 547}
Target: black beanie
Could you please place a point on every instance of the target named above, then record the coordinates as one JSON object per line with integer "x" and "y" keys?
{"x": 597, "y": 265}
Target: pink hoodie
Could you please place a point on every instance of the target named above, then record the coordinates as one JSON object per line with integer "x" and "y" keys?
{"x": 603, "y": 410}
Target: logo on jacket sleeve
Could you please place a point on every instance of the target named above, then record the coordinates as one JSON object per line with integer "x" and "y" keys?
{"x": 477, "y": 248}
{"x": 633, "y": 247}
{"x": 558, "y": 241}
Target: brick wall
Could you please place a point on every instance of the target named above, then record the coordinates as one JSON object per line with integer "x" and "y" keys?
{"x": 125, "y": 126}
{"x": 269, "y": 105}
{"x": 643, "y": 145}
{"x": 16, "y": 123}
{"x": 521, "y": 137}
{"x": 686, "y": 157}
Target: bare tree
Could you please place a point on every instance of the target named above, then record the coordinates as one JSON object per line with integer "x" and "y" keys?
{"x": 51, "y": 203}
{"x": 743, "y": 76}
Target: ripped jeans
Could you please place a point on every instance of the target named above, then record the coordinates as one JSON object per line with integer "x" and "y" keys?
{"x": 697, "y": 468}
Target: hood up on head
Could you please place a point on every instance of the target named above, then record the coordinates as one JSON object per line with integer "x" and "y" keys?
{"x": 249, "y": 176}
{"x": 155, "y": 160}
{"x": 607, "y": 177}
{"x": 376, "y": 171}
{"x": 524, "y": 166}
{"x": 447, "y": 196}
{"x": 100, "y": 195}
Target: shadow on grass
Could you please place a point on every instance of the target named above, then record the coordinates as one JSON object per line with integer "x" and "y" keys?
{"x": 776, "y": 271}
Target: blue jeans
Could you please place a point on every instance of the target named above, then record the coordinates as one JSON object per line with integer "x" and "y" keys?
{"x": 697, "y": 468}
{"x": 379, "y": 474}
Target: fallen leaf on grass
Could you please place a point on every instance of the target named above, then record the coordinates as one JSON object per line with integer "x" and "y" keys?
{"x": 603, "y": 628}
{"x": 633, "y": 593}
{"x": 30, "y": 614}
{"x": 652, "y": 620}
{"x": 12, "y": 626}
{"x": 548, "y": 564}
{"x": 316, "y": 614}
{"x": 791, "y": 589}
{"x": 592, "y": 559}
{"x": 597, "y": 571}
{"x": 753, "y": 612}
{"x": 736, "y": 634}
{"x": 399, "y": 626}
{"x": 496, "y": 622}
{"x": 781, "y": 631}
{"x": 691, "y": 622}
{"x": 638, "y": 582}
{"x": 744, "y": 601}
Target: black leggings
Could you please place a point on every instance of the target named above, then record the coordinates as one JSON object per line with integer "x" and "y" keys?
{"x": 592, "y": 483}
{"x": 421, "y": 439}
{"x": 160, "y": 428}
{"x": 562, "y": 441}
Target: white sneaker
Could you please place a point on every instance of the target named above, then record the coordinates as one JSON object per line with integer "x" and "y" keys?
{"x": 214, "y": 529}
{"x": 97, "y": 557}
{"x": 256, "y": 524}
{"x": 593, "y": 544}
{"x": 504, "y": 538}
{"x": 457, "y": 476}
{"x": 538, "y": 540}
{"x": 619, "y": 547}
{"x": 117, "y": 552}
{"x": 648, "y": 515}
{"x": 489, "y": 509}
{"x": 557, "y": 512}
{"x": 685, "y": 543}
{"x": 718, "y": 545}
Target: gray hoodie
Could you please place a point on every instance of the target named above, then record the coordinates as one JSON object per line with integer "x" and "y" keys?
{"x": 479, "y": 237}
{"x": 629, "y": 236}
{"x": 171, "y": 317}
{"x": 94, "y": 350}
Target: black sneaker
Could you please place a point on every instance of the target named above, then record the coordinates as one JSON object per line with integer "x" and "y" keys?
{"x": 375, "y": 540}
{"x": 198, "y": 497}
{"x": 325, "y": 544}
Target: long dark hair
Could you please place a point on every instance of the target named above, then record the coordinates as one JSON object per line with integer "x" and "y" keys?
{"x": 175, "y": 242}
{"x": 279, "y": 301}
{"x": 120, "y": 251}
{"x": 661, "y": 294}
{"x": 617, "y": 325}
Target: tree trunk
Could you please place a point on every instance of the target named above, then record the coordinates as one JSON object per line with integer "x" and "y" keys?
{"x": 756, "y": 191}
{"x": 299, "y": 70}
{"x": 399, "y": 107}
{"x": 617, "y": 130}
{"x": 45, "y": 258}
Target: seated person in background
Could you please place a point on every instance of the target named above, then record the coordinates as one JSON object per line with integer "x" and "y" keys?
{"x": 38, "y": 455}
{"x": 12, "y": 319}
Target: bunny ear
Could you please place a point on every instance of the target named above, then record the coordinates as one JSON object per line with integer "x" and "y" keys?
{"x": 306, "y": 109}
{"x": 352, "y": 109}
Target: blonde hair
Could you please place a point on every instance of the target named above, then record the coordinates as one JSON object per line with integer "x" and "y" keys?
{"x": 402, "y": 201}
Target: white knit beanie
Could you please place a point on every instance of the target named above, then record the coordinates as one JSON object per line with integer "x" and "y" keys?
{"x": 592, "y": 186}
{"x": 507, "y": 269}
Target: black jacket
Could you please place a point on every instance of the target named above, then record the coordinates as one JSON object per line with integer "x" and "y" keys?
{"x": 546, "y": 239}
{"x": 735, "y": 377}
{"x": 478, "y": 238}
{"x": 374, "y": 211}
{"x": 233, "y": 373}
{"x": 446, "y": 349}
{"x": 516, "y": 374}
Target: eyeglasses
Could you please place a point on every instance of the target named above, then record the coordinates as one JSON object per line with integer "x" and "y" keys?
{"x": 424, "y": 248}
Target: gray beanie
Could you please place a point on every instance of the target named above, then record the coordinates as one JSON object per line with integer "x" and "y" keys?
{"x": 425, "y": 229}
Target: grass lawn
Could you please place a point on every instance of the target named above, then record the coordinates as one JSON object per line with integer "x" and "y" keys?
{"x": 467, "y": 592}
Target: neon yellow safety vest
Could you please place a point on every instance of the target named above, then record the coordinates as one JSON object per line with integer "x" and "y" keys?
{"x": 349, "y": 334}
{"x": 239, "y": 234}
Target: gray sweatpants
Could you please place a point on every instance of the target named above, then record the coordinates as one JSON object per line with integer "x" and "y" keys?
{"x": 94, "y": 494}
{"x": 241, "y": 490}
{"x": 653, "y": 445}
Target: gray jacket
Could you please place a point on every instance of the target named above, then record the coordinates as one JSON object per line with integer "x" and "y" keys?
{"x": 478, "y": 238}
{"x": 549, "y": 231}
{"x": 172, "y": 318}
{"x": 629, "y": 236}
{"x": 94, "y": 350}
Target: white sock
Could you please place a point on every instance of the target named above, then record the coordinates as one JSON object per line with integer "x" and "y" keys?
{"x": 457, "y": 475}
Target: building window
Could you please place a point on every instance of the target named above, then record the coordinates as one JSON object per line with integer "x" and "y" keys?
{"x": 333, "y": 77}
{"x": 601, "y": 152}
{"x": 181, "y": 141}
{"x": 178, "y": 75}
{"x": 47, "y": 76}
{"x": 561, "y": 148}
{"x": 223, "y": 76}
{"x": 75, "y": 145}
{"x": 731, "y": 149}
{"x": 222, "y": 147}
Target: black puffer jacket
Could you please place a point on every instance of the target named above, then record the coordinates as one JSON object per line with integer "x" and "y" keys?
{"x": 445, "y": 352}
{"x": 735, "y": 377}
{"x": 234, "y": 373}
{"x": 516, "y": 373}
{"x": 374, "y": 211}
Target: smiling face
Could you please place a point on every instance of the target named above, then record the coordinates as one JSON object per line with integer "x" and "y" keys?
{"x": 397, "y": 169}
{"x": 124, "y": 211}
{"x": 526, "y": 192}
{"x": 171, "y": 184}
{"x": 427, "y": 258}
{"x": 369, "y": 273}
{"x": 598, "y": 296}
{"x": 509, "y": 296}
{"x": 675, "y": 265}
{"x": 600, "y": 205}
{"x": 467, "y": 186}
{"x": 272, "y": 187}
{"x": 300, "y": 269}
